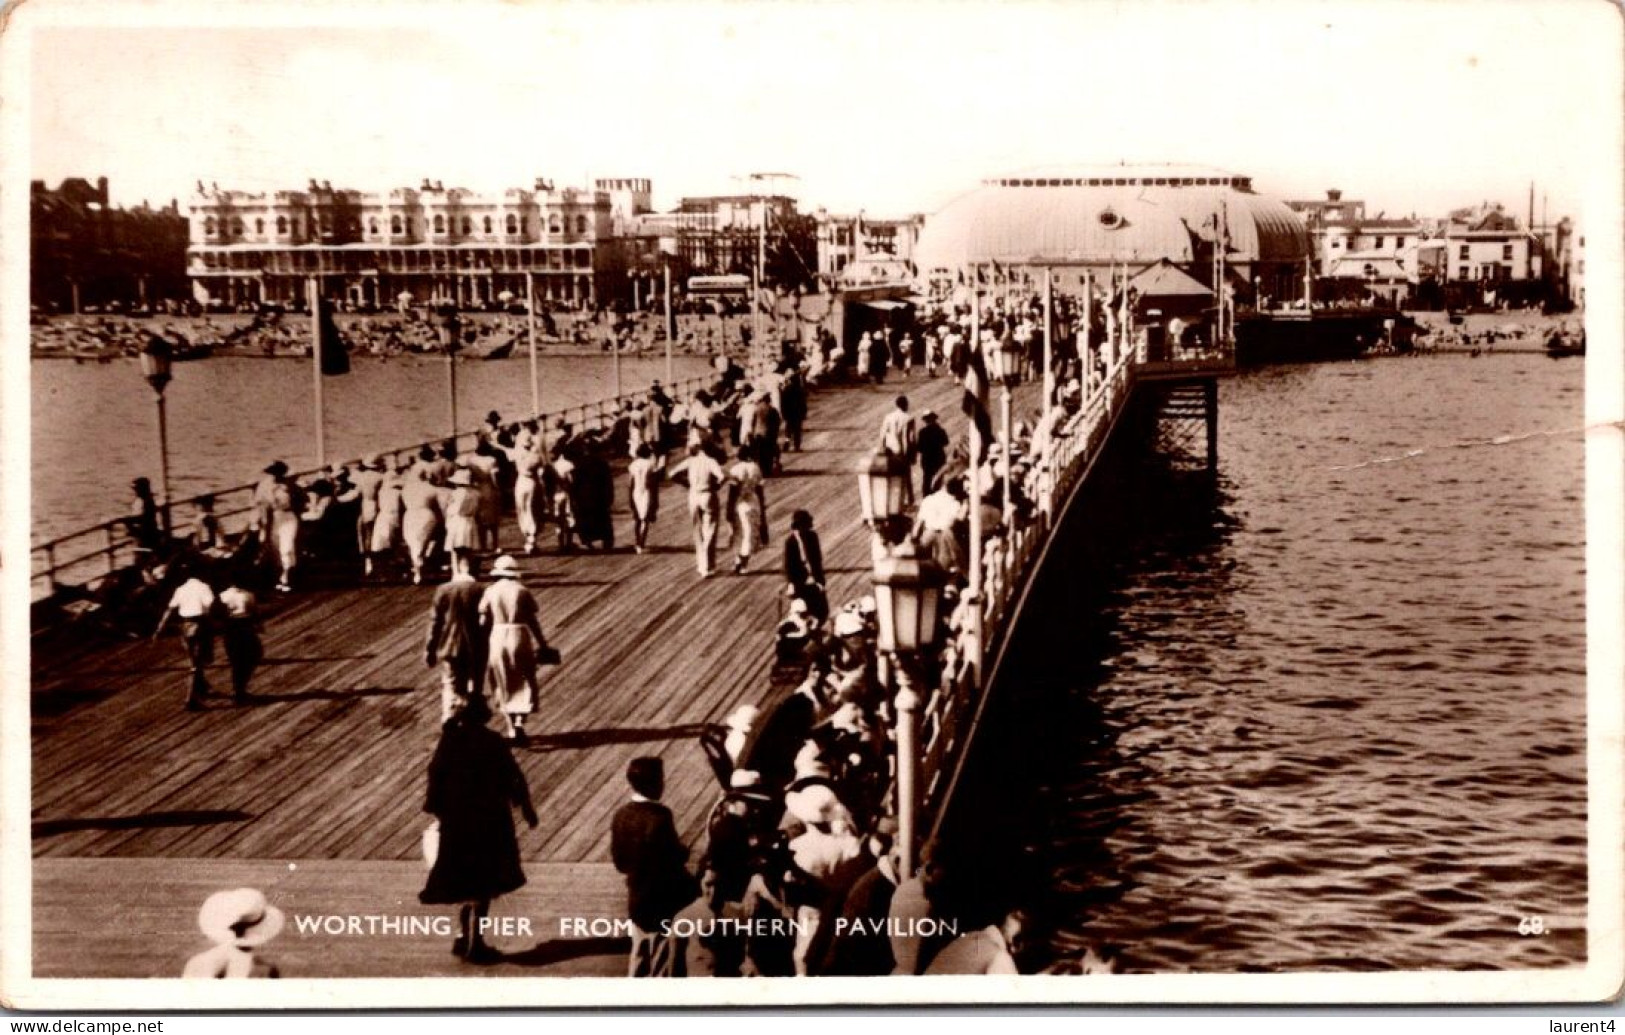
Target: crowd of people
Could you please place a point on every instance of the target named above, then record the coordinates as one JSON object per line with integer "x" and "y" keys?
{"x": 798, "y": 873}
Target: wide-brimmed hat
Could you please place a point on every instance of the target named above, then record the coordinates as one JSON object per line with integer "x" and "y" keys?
{"x": 505, "y": 568}
{"x": 239, "y": 917}
{"x": 848, "y": 624}
{"x": 740, "y": 779}
{"x": 372, "y": 462}
{"x": 814, "y": 804}
{"x": 462, "y": 476}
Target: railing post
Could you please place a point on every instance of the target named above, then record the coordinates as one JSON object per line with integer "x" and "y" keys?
{"x": 50, "y": 569}
{"x": 908, "y": 761}
{"x": 112, "y": 549}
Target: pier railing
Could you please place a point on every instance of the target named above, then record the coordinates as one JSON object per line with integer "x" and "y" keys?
{"x": 938, "y": 731}
{"x": 80, "y": 559}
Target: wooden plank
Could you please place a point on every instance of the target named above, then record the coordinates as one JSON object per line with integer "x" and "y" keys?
{"x": 329, "y": 769}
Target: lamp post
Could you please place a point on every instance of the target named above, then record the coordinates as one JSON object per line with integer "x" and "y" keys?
{"x": 530, "y": 337}
{"x": 448, "y": 326}
{"x": 157, "y": 357}
{"x": 1004, "y": 366}
{"x": 882, "y": 487}
{"x": 908, "y": 599}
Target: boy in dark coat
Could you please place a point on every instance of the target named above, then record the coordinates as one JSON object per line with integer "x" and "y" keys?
{"x": 645, "y": 847}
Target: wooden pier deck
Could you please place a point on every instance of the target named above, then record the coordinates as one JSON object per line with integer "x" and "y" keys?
{"x": 133, "y": 794}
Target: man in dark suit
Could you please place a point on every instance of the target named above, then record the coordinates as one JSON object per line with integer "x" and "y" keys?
{"x": 645, "y": 847}
{"x": 456, "y": 641}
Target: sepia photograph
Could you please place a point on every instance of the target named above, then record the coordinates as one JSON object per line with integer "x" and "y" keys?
{"x": 913, "y": 502}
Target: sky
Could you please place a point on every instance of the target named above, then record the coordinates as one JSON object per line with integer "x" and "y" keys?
{"x": 890, "y": 107}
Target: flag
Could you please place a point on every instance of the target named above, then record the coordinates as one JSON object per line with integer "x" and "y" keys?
{"x": 333, "y": 353}
{"x": 968, "y": 366}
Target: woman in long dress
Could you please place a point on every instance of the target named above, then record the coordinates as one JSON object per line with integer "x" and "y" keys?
{"x": 287, "y": 503}
{"x": 528, "y": 502}
{"x": 484, "y": 467}
{"x": 747, "y": 510}
{"x": 474, "y": 783}
{"x": 509, "y": 610}
{"x": 421, "y": 520}
{"x": 462, "y": 513}
{"x": 560, "y": 481}
{"x": 386, "y": 530}
{"x": 594, "y": 497}
{"x": 644, "y": 477}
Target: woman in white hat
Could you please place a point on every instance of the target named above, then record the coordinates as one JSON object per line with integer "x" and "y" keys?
{"x": 421, "y": 518}
{"x": 386, "y": 530}
{"x": 517, "y": 645}
{"x": 462, "y": 512}
{"x": 237, "y": 922}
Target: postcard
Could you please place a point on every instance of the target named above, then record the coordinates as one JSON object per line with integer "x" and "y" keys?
{"x": 884, "y": 503}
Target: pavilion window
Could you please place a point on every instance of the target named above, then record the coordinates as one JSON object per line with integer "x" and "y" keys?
{"x": 487, "y": 224}
{"x": 513, "y": 225}
{"x": 281, "y": 224}
{"x": 395, "y": 224}
{"x": 439, "y": 224}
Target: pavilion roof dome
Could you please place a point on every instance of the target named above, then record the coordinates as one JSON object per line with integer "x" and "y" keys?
{"x": 1105, "y": 214}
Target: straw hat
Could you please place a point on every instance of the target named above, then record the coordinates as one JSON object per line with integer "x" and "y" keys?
{"x": 505, "y": 568}
{"x": 240, "y": 917}
{"x": 814, "y": 805}
{"x": 848, "y": 624}
{"x": 462, "y": 476}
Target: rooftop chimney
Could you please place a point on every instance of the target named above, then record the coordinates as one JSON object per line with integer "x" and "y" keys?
{"x": 327, "y": 185}
{"x": 1334, "y": 195}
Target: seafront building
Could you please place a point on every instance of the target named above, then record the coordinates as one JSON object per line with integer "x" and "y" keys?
{"x": 85, "y": 253}
{"x": 855, "y": 249}
{"x": 428, "y": 243}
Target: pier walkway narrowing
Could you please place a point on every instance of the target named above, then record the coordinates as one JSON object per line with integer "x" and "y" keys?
{"x": 325, "y": 770}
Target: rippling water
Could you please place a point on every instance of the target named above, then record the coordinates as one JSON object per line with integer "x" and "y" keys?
{"x": 1333, "y": 716}
{"x": 94, "y": 426}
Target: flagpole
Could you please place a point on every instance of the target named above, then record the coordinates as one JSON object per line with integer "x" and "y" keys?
{"x": 1084, "y": 336}
{"x": 313, "y": 300}
{"x": 1049, "y": 369}
{"x": 974, "y": 479}
{"x": 756, "y": 295}
{"x": 671, "y": 329}
{"x": 530, "y": 324}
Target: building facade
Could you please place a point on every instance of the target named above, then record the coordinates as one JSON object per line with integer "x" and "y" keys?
{"x": 1487, "y": 245}
{"x": 859, "y": 250}
{"x": 429, "y": 244}
{"x": 84, "y": 253}
{"x": 721, "y": 234}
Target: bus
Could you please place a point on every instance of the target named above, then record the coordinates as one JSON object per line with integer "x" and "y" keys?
{"x": 730, "y": 286}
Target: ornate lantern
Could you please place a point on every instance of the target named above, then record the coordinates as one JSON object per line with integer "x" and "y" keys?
{"x": 448, "y": 326}
{"x": 156, "y": 359}
{"x": 908, "y": 595}
{"x": 882, "y": 485}
{"x": 1005, "y": 361}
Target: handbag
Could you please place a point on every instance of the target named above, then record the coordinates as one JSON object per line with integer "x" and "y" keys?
{"x": 431, "y": 843}
{"x": 548, "y": 655}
